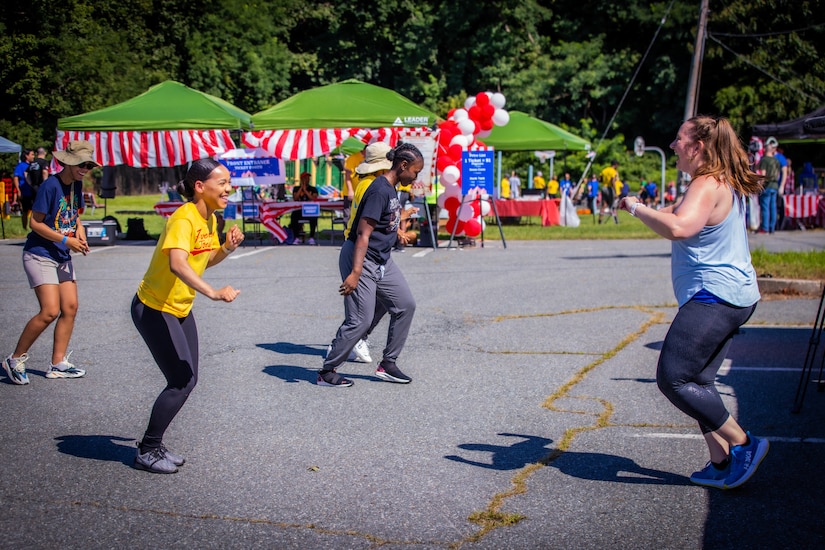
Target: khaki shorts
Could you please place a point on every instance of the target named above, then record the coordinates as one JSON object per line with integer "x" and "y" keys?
{"x": 44, "y": 271}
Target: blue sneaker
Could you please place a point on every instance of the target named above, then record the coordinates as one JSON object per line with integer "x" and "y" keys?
{"x": 16, "y": 369}
{"x": 711, "y": 476}
{"x": 745, "y": 459}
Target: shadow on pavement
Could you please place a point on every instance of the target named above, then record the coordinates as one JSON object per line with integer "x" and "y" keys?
{"x": 98, "y": 447}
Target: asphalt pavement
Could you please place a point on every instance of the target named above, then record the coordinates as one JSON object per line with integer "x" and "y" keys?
{"x": 533, "y": 419}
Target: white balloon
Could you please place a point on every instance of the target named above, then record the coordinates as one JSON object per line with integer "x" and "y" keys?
{"x": 501, "y": 117}
{"x": 461, "y": 140}
{"x": 483, "y": 133}
{"x": 452, "y": 190}
{"x": 460, "y": 114}
{"x": 465, "y": 212}
{"x": 483, "y": 224}
{"x": 485, "y": 208}
{"x": 450, "y": 175}
{"x": 467, "y": 126}
{"x": 497, "y": 100}
{"x": 440, "y": 200}
{"x": 470, "y": 101}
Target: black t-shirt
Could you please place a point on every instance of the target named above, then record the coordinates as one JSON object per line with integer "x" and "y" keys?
{"x": 380, "y": 203}
{"x": 34, "y": 172}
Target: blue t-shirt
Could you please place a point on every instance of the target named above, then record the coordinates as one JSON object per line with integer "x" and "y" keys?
{"x": 593, "y": 188}
{"x": 20, "y": 172}
{"x": 564, "y": 186}
{"x": 61, "y": 204}
{"x": 380, "y": 203}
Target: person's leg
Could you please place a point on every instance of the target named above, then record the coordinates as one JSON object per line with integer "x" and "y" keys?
{"x": 772, "y": 210}
{"x": 359, "y": 308}
{"x": 693, "y": 351}
{"x": 764, "y": 201}
{"x": 394, "y": 293}
{"x": 48, "y": 296}
{"x": 313, "y": 226}
{"x": 65, "y": 322}
{"x": 173, "y": 343}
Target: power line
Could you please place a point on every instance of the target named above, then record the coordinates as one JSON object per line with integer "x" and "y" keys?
{"x": 767, "y": 34}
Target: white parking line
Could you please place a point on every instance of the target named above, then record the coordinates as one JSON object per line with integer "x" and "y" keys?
{"x": 250, "y": 253}
{"x": 775, "y": 439}
{"x": 422, "y": 253}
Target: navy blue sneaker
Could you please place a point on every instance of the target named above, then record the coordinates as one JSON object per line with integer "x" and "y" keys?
{"x": 745, "y": 459}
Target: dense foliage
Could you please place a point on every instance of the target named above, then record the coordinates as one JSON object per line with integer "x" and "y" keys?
{"x": 566, "y": 61}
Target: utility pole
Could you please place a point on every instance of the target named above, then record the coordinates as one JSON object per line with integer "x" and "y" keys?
{"x": 695, "y": 76}
{"x": 696, "y": 65}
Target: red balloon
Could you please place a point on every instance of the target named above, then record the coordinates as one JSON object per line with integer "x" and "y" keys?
{"x": 442, "y": 162}
{"x": 454, "y": 223}
{"x": 482, "y": 99}
{"x": 474, "y": 112}
{"x": 477, "y": 128}
{"x": 488, "y": 111}
{"x": 455, "y": 151}
{"x": 476, "y": 208}
{"x": 472, "y": 228}
{"x": 451, "y": 204}
{"x": 486, "y": 124}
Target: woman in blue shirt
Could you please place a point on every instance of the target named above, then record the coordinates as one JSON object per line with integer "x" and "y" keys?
{"x": 56, "y": 233}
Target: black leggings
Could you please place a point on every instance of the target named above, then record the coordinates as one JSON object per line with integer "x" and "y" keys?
{"x": 693, "y": 351}
{"x": 173, "y": 343}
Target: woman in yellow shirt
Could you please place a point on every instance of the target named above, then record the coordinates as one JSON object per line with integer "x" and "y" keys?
{"x": 161, "y": 309}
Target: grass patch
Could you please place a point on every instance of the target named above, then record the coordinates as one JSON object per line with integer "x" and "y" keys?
{"x": 789, "y": 265}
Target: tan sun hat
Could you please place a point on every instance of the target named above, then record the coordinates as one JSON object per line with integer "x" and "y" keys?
{"x": 375, "y": 158}
{"x": 76, "y": 152}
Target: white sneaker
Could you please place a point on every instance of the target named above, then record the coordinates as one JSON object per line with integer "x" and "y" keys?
{"x": 16, "y": 369}
{"x": 64, "y": 369}
{"x": 311, "y": 241}
{"x": 361, "y": 352}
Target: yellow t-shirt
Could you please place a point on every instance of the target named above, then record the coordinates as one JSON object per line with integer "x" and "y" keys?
{"x": 349, "y": 165}
{"x": 186, "y": 229}
{"x": 608, "y": 175}
{"x": 505, "y": 188}
{"x": 364, "y": 182}
{"x": 553, "y": 186}
{"x": 539, "y": 183}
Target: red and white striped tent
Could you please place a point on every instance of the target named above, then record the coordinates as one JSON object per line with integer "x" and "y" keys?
{"x": 168, "y": 125}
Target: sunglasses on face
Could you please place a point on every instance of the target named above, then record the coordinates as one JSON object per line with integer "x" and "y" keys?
{"x": 87, "y": 165}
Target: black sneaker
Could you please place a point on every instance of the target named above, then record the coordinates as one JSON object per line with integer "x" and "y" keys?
{"x": 391, "y": 373}
{"x": 332, "y": 379}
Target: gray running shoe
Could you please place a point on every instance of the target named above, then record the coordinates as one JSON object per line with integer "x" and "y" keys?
{"x": 64, "y": 369}
{"x": 155, "y": 461}
{"x": 176, "y": 459}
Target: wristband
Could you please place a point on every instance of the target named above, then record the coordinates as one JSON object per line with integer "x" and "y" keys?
{"x": 225, "y": 250}
{"x": 634, "y": 207}
{"x": 65, "y": 238}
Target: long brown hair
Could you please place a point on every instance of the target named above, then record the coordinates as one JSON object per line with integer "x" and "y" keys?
{"x": 724, "y": 155}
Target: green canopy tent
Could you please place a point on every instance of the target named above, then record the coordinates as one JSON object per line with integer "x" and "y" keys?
{"x": 527, "y": 133}
{"x": 347, "y": 104}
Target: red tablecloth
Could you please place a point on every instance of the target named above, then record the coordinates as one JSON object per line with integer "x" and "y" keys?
{"x": 548, "y": 209}
{"x": 270, "y": 212}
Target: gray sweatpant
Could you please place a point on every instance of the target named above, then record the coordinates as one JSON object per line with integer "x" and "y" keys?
{"x": 383, "y": 287}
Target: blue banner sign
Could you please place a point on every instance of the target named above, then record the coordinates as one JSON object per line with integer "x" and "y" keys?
{"x": 477, "y": 172}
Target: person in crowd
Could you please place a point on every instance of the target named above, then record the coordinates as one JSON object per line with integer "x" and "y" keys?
{"x": 303, "y": 192}
{"x": 56, "y": 232}
{"x": 807, "y": 179}
{"x": 565, "y": 185}
{"x": 652, "y": 192}
{"x": 592, "y": 195}
{"x": 553, "y": 187}
{"x": 351, "y": 180}
{"x": 715, "y": 287}
{"x": 370, "y": 276}
{"x": 515, "y": 185}
{"x": 38, "y": 171}
{"x": 505, "y": 187}
{"x": 770, "y": 168}
{"x": 24, "y": 193}
{"x": 539, "y": 182}
{"x": 162, "y": 307}
{"x": 609, "y": 202}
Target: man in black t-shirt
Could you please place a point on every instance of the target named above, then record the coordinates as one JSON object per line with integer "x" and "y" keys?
{"x": 38, "y": 171}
